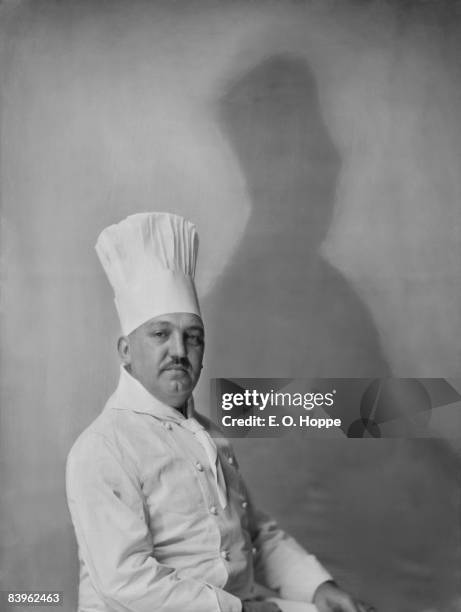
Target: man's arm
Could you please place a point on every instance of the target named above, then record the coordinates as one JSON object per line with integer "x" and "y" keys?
{"x": 110, "y": 520}
{"x": 281, "y": 564}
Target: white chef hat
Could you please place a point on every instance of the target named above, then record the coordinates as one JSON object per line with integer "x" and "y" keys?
{"x": 150, "y": 259}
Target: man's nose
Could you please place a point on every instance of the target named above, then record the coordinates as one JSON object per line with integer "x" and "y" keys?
{"x": 177, "y": 346}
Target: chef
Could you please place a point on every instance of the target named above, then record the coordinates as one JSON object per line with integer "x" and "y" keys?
{"x": 163, "y": 520}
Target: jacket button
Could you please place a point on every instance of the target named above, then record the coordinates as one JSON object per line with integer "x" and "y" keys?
{"x": 231, "y": 460}
{"x": 254, "y": 550}
{"x": 244, "y": 504}
{"x": 213, "y": 510}
{"x": 199, "y": 466}
{"x": 225, "y": 555}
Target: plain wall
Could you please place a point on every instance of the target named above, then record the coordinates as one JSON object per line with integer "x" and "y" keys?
{"x": 111, "y": 108}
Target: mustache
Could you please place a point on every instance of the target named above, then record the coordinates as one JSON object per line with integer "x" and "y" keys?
{"x": 177, "y": 365}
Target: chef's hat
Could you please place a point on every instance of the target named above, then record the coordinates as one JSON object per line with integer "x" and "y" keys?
{"x": 149, "y": 259}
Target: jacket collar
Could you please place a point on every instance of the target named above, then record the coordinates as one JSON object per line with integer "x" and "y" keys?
{"x": 132, "y": 395}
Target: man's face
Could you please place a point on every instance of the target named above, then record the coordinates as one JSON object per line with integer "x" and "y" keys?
{"x": 165, "y": 355}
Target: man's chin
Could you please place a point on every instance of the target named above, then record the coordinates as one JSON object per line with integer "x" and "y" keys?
{"x": 179, "y": 388}
{"x": 179, "y": 385}
{"x": 176, "y": 387}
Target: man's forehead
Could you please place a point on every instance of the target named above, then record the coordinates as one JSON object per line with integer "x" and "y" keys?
{"x": 179, "y": 319}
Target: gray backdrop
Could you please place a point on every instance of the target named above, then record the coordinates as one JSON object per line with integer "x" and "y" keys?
{"x": 316, "y": 146}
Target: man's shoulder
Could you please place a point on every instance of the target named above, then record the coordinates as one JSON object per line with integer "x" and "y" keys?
{"x": 120, "y": 432}
{"x": 100, "y": 434}
{"x": 109, "y": 431}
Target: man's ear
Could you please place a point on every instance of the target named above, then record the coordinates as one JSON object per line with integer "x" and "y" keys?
{"x": 123, "y": 348}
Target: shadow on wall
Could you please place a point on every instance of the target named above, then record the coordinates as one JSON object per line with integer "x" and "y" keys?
{"x": 288, "y": 311}
{"x": 380, "y": 514}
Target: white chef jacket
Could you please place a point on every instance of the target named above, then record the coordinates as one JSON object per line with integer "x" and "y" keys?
{"x": 152, "y": 534}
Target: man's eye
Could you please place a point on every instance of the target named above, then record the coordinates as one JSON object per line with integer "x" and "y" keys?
{"x": 195, "y": 339}
{"x": 159, "y": 334}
